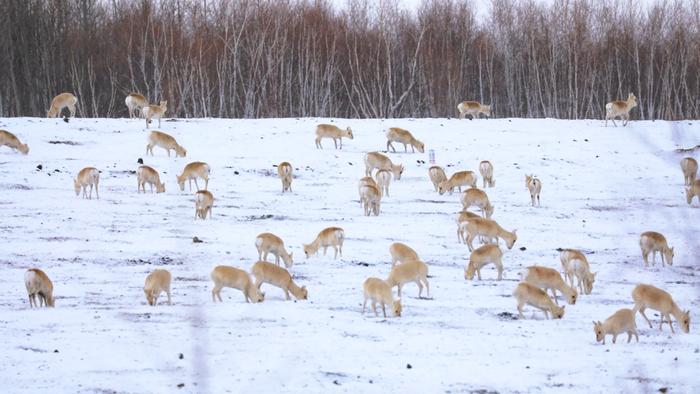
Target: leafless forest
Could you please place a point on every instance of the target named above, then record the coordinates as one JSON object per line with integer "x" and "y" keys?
{"x": 229, "y": 58}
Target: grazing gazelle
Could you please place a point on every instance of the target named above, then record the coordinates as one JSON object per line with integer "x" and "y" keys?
{"x": 165, "y": 141}
{"x": 63, "y": 100}
{"x": 194, "y": 170}
{"x": 146, "y": 174}
{"x": 285, "y": 171}
{"x": 88, "y": 176}
{"x": 11, "y": 141}
{"x": 473, "y": 109}
{"x": 203, "y": 201}
{"x": 404, "y": 137}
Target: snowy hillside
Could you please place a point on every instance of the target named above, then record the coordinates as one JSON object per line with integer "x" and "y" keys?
{"x": 602, "y": 187}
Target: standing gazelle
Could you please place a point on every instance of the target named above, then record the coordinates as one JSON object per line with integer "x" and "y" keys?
{"x": 383, "y": 181}
{"x": 534, "y": 185}
{"x": 486, "y": 171}
{"x": 621, "y": 109}
{"x": 155, "y": 111}
{"x": 333, "y": 132}
{"x": 135, "y": 102}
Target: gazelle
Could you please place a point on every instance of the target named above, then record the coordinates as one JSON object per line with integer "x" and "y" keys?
{"x": 194, "y": 170}
{"x": 549, "y": 278}
{"x": 11, "y": 141}
{"x": 165, "y": 141}
{"x": 437, "y": 176}
{"x": 157, "y": 282}
{"x": 265, "y": 272}
{"x": 146, "y": 174}
{"x": 473, "y": 109}
{"x": 620, "y": 322}
{"x": 652, "y": 242}
{"x": 378, "y": 291}
{"x": 368, "y": 180}
{"x": 383, "y": 181}
{"x": 203, "y": 201}
{"x": 381, "y": 162}
{"x": 404, "y": 137}
{"x": 647, "y": 296}
{"x": 226, "y": 276}
{"x": 620, "y": 109}
{"x": 155, "y": 111}
{"x": 486, "y": 254}
{"x": 88, "y": 176}
{"x": 458, "y": 179}
{"x": 488, "y": 229}
{"x": 38, "y": 283}
{"x": 690, "y": 170}
{"x": 532, "y": 295}
{"x": 267, "y": 243}
{"x": 478, "y": 198}
{"x": 285, "y": 172}
{"x": 486, "y": 171}
{"x": 401, "y": 252}
{"x": 409, "y": 271}
{"x": 371, "y": 198}
{"x": 135, "y": 102}
{"x": 331, "y": 131}
{"x": 331, "y": 236}
{"x": 534, "y": 185}
{"x": 464, "y": 216}
{"x": 692, "y": 191}
{"x": 63, "y": 100}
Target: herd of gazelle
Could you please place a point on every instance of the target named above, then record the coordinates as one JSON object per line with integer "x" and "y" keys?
{"x": 406, "y": 265}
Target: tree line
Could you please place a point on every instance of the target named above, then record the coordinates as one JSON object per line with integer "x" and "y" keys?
{"x": 292, "y": 58}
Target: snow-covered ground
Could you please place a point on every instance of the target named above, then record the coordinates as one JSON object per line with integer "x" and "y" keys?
{"x": 602, "y": 187}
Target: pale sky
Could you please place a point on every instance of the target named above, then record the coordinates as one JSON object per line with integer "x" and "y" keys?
{"x": 482, "y": 6}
